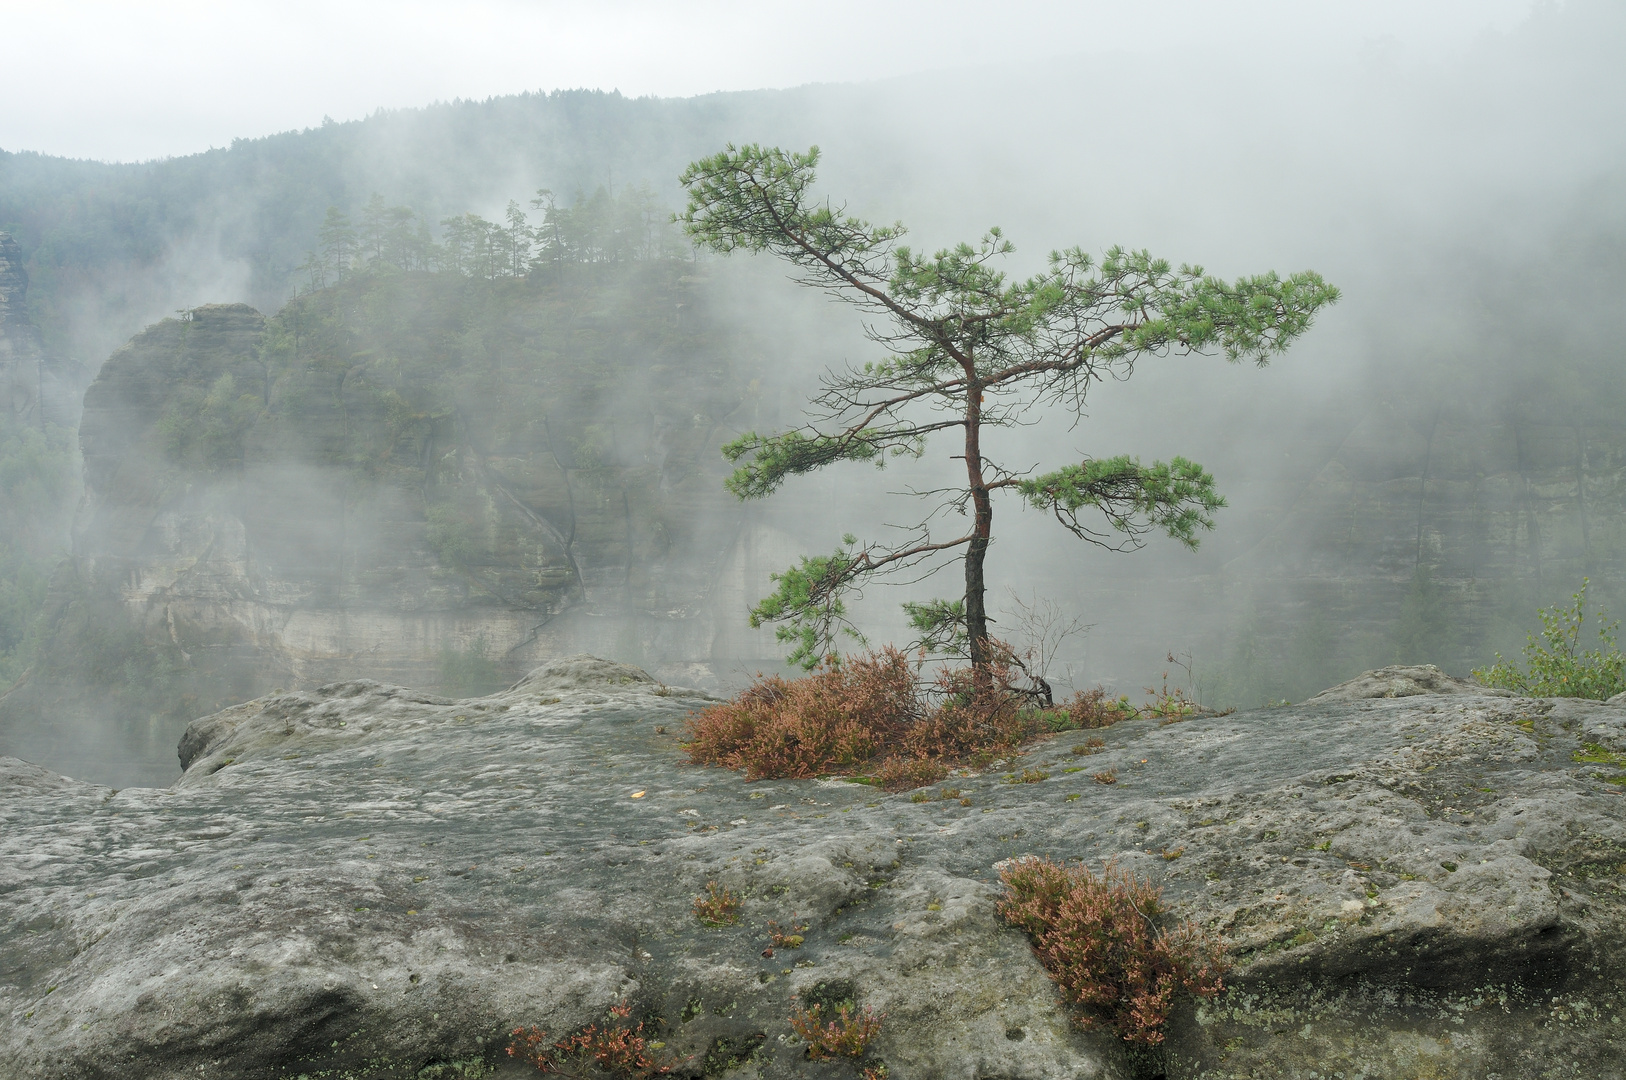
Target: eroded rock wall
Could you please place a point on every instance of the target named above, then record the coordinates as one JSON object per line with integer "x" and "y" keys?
{"x": 421, "y": 479}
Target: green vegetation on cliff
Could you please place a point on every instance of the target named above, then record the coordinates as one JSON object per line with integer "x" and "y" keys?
{"x": 1557, "y": 665}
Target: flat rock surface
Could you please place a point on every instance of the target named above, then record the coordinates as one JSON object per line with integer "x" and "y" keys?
{"x": 368, "y": 881}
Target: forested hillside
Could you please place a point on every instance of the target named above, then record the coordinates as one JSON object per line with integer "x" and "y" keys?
{"x": 107, "y": 242}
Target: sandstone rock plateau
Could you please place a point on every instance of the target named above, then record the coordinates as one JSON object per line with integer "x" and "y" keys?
{"x": 366, "y": 881}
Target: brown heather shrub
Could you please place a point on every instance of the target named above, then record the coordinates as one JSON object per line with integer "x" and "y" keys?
{"x": 1092, "y": 708}
{"x": 836, "y": 718}
{"x": 902, "y": 773}
{"x": 1098, "y": 937}
{"x": 976, "y": 720}
{"x": 781, "y": 938}
{"x": 864, "y": 714}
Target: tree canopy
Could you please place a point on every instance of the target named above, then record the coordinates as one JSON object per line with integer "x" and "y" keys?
{"x": 969, "y": 349}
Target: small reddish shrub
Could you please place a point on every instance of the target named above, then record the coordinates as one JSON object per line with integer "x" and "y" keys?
{"x": 848, "y": 1035}
{"x": 902, "y": 773}
{"x": 1098, "y": 937}
{"x": 718, "y": 907}
{"x": 782, "y": 938}
{"x": 615, "y": 1048}
{"x": 1092, "y": 708}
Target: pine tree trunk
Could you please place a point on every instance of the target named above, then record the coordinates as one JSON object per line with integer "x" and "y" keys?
{"x": 976, "y": 611}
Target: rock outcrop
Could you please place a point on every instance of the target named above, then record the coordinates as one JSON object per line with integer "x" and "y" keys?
{"x": 415, "y": 478}
{"x": 367, "y": 881}
{"x": 1401, "y": 680}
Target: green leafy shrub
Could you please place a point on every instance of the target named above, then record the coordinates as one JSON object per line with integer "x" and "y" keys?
{"x": 1557, "y": 666}
{"x": 1091, "y": 708}
{"x": 1099, "y": 938}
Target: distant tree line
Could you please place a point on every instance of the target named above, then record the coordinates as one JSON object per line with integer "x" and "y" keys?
{"x": 603, "y": 229}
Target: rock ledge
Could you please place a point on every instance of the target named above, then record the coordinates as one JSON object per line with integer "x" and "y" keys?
{"x": 366, "y": 881}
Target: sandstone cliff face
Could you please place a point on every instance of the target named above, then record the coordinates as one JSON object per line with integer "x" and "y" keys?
{"x": 414, "y": 479}
{"x": 369, "y": 882}
{"x": 1493, "y": 513}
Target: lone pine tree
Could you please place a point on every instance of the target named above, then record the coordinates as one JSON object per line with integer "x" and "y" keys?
{"x": 969, "y": 350}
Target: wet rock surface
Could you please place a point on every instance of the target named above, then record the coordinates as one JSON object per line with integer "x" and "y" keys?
{"x": 368, "y": 881}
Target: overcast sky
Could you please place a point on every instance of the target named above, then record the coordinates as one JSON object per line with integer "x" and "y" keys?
{"x": 117, "y": 80}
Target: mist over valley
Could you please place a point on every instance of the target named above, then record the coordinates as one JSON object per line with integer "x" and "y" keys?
{"x": 416, "y": 423}
{"x": 1430, "y": 465}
